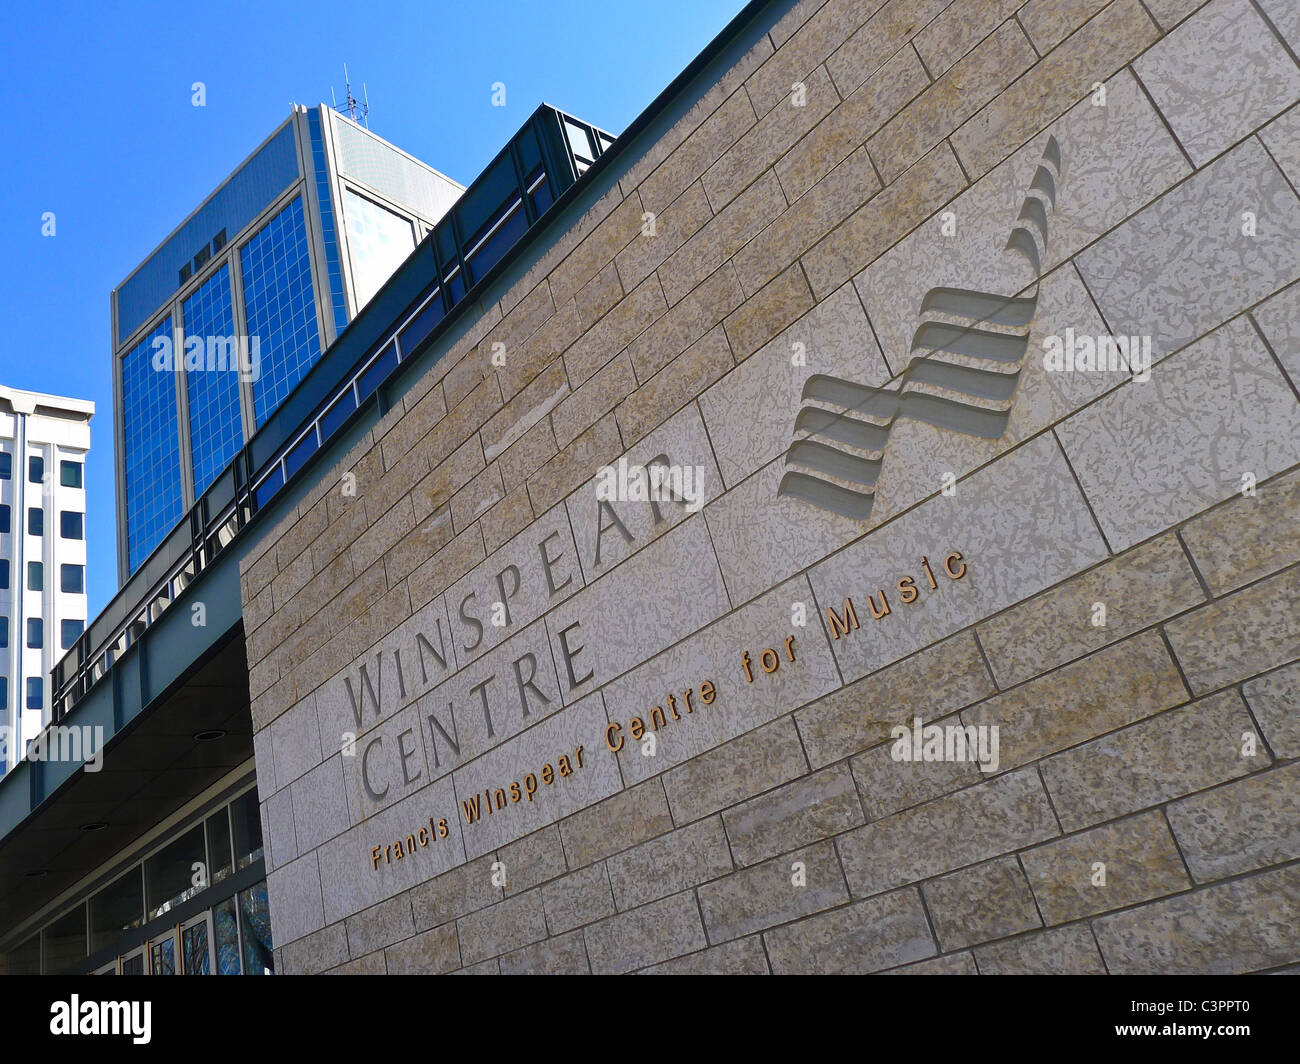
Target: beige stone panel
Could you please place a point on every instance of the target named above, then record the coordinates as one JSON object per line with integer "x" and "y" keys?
{"x": 477, "y": 497}
{"x": 998, "y": 816}
{"x": 959, "y": 29}
{"x": 653, "y": 933}
{"x": 506, "y": 518}
{"x": 348, "y": 879}
{"x": 561, "y": 734}
{"x": 873, "y": 934}
{"x": 1273, "y": 699}
{"x": 885, "y": 219}
{"x": 1059, "y": 951}
{"x": 1153, "y": 761}
{"x": 606, "y": 535}
{"x": 597, "y": 396}
{"x": 1139, "y": 588}
{"x": 696, "y": 153}
{"x": 768, "y": 311}
{"x": 888, "y": 30}
{"x": 537, "y": 399}
{"x": 1138, "y": 860}
{"x": 1241, "y": 926}
{"x": 501, "y": 928}
{"x": 1114, "y": 159}
{"x": 666, "y": 610}
{"x": 862, "y": 714}
{"x": 448, "y": 565}
{"x": 1049, "y": 22}
{"x": 598, "y": 296}
{"x": 721, "y": 237}
{"x": 741, "y": 956}
{"x": 675, "y": 386}
{"x": 715, "y": 655}
{"x": 765, "y": 895}
{"x": 1093, "y": 53}
{"x": 990, "y": 900}
{"x": 807, "y": 220}
{"x": 529, "y": 453}
{"x": 807, "y": 47}
{"x": 869, "y": 106}
{"x": 1107, "y": 690}
{"x": 679, "y": 221}
{"x": 670, "y": 863}
{"x": 684, "y": 324}
{"x": 804, "y": 811}
{"x": 1239, "y": 541}
{"x": 450, "y": 475}
{"x": 770, "y": 137}
{"x": 836, "y": 340}
{"x": 629, "y": 817}
{"x": 562, "y": 955}
{"x": 1242, "y": 635}
{"x": 978, "y": 77}
{"x": 597, "y": 250}
{"x": 528, "y": 575}
{"x": 564, "y": 472}
{"x": 614, "y": 331}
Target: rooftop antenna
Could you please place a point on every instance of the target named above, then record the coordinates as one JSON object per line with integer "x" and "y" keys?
{"x": 355, "y": 109}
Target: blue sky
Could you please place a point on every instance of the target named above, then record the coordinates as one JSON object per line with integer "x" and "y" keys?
{"x": 102, "y": 132}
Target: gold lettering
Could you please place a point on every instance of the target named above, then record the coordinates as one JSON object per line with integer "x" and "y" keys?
{"x": 846, "y": 624}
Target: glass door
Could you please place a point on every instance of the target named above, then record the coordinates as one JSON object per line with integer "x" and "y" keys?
{"x": 196, "y": 946}
{"x": 162, "y": 954}
{"x": 133, "y": 963}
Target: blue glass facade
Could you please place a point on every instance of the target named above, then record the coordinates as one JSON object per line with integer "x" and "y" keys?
{"x": 280, "y": 306}
{"x": 328, "y": 233}
{"x": 152, "y": 455}
{"x": 216, "y": 433}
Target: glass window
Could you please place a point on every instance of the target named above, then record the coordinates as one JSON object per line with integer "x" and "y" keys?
{"x": 280, "y": 306}
{"x": 35, "y": 632}
{"x": 72, "y": 578}
{"x": 419, "y": 327}
{"x": 4, "y": 572}
{"x": 337, "y": 414}
{"x": 65, "y": 942}
{"x": 116, "y": 909}
{"x": 134, "y": 964}
{"x": 225, "y": 927}
{"x": 35, "y": 521}
{"x": 162, "y": 956}
{"x": 4, "y": 517}
{"x": 325, "y": 199}
{"x": 177, "y": 872}
{"x": 194, "y": 950}
{"x": 70, "y": 474}
{"x": 378, "y": 241}
{"x": 4, "y": 692}
{"x": 35, "y": 693}
{"x": 6, "y": 465}
{"x": 152, "y": 448}
{"x": 35, "y": 468}
{"x": 248, "y": 829}
{"x": 69, "y": 633}
{"x": 35, "y": 576}
{"x": 24, "y": 959}
{"x": 4, "y": 631}
{"x": 216, "y": 433}
{"x": 219, "y": 859}
{"x": 496, "y": 246}
{"x": 255, "y": 926}
{"x": 72, "y": 525}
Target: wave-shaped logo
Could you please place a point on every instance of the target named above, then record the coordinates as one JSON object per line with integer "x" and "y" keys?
{"x": 844, "y": 427}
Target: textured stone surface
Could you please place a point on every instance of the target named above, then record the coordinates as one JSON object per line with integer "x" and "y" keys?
{"x": 631, "y": 816}
{"x": 1140, "y": 587}
{"x": 1148, "y": 283}
{"x": 798, "y": 813}
{"x": 1241, "y": 635}
{"x": 501, "y": 928}
{"x": 645, "y": 936}
{"x": 1219, "y": 75}
{"x": 1238, "y": 542}
{"x": 866, "y": 937}
{"x": 988, "y": 901}
{"x": 431, "y": 953}
{"x": 1239, "y": 926}
{"x": 1165, "y": 757}
{"x": 1059, "y": 951}
{"x": 577, "y": 899}
{"x": 1244, "y": 825}
{"x": 669, "y": 863}
{"x": 1198, "y": 437}
{"x": 744, "y": 956}
{"x": 1274, "y": 699}
{"x": 1139, "y": 858}
{"x": 1002, "y": 814}
{"x": 768, "y": 894}
{"x": 562, "y": 955}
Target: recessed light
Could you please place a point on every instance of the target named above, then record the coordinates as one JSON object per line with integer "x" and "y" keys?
{"x": 36, "y": 873}
{"x": 209, "y": 736}
{"x": 95, "y": 825}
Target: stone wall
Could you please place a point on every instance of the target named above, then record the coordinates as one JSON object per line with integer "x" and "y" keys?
{"x": 1113, "y": 581}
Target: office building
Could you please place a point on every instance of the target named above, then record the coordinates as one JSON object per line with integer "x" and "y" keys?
{"x": 840, "y": 524}
{"x": 43, "y": 445}
{"x": 223, "y": 319}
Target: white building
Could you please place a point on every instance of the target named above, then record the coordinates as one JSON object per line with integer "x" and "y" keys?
{"x": 43, "y": 445}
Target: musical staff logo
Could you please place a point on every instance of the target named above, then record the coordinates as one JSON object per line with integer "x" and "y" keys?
{"x": 843, "y": 428}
